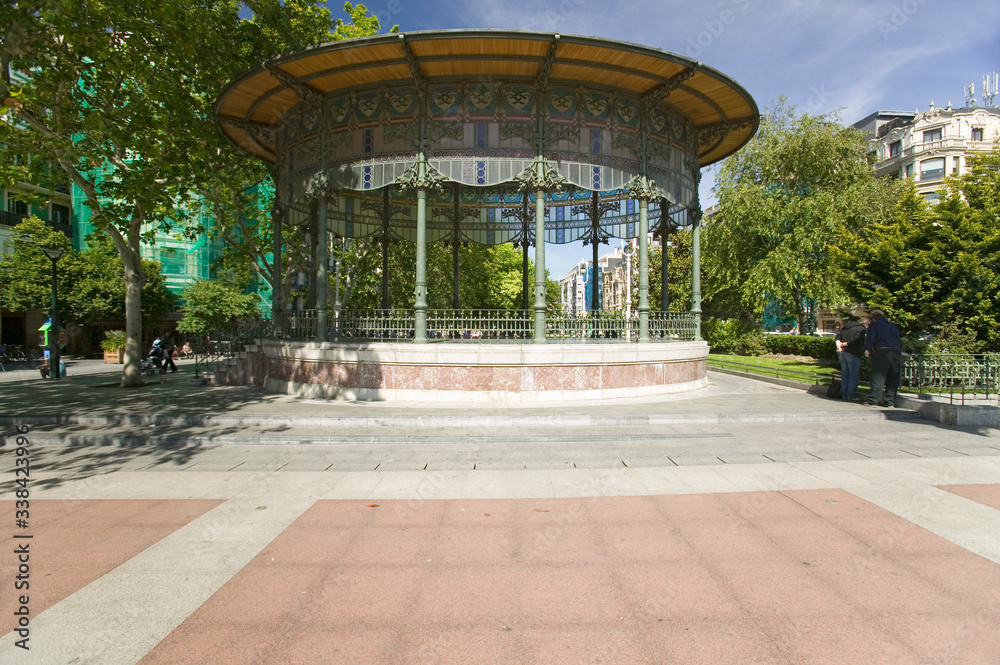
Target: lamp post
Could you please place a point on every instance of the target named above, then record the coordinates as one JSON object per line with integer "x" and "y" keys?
{"x": 54, "y": 253}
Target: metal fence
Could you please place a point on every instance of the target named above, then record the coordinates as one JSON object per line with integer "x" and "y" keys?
{"x": 479, "y": 325}
{"x": 960, "y": 376}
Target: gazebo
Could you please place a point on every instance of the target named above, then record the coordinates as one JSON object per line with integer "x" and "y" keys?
{"x": 486, "y": 136}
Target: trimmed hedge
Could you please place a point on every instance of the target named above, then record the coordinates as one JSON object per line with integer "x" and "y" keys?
{"x": 802, "y": 345}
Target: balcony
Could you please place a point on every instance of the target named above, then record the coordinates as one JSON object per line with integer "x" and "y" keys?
{"x": 916, "y": 150}
{"x": 11, "y": 218}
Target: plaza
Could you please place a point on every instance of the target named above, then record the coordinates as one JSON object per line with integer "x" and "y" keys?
{"x": 741, "y": 523}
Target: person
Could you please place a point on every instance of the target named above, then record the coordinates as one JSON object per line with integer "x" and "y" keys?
{"x": 156, "y": 354}
{"x": 168, "y": 354}
{"x": 883, "y": 347}
{"x": 850, "y": 343}
{"x": 186, "y": 350}
{"x": 44, "y": 368}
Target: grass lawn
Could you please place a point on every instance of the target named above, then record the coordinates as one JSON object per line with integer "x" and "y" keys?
{"x": 786, "y": 367}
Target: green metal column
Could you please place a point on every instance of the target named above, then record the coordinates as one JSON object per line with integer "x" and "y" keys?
{"x": 696, "y": 271}
{"x": 420, "y": 291}
{"x": 322, "y": 257}
{"x": 643, "y": 270}
{"x": 539, "y": 336}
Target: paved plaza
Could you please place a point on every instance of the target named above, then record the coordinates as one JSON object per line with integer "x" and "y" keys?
{"x": 743, "y": 523}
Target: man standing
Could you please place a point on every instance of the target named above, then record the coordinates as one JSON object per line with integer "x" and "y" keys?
{"x": 168, "y": 354}
{"x": 850, "y": 345}
{"x": 884, "y": 347}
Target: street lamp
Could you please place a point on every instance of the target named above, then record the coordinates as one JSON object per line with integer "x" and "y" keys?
{"x": 54, "y": 253}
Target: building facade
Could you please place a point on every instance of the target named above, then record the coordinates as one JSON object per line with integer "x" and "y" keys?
{"x": 927, "y": 146}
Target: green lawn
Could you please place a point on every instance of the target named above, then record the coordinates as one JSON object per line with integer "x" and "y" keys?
{"x": 797, "y": 369}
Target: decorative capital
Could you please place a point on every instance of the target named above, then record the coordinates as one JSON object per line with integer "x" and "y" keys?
{"x": 695, "y": 213}
{"x": 421, "y": 176}
{"x": 546, "y": 178}
{"x": 643, "y": 189}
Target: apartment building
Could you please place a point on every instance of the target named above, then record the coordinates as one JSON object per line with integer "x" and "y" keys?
{"x": 927, "y": 146}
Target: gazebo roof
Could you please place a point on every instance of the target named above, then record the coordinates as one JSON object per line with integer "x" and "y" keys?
{"x": 706, "y": 96}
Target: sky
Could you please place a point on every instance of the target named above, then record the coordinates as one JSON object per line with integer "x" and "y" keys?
{"x": 851, "y": 57}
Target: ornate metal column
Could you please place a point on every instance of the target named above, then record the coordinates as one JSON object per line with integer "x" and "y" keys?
{"x": 322, "y": 257}
{"x": 539, "y": 333}
{"x": 666, "y": 228}
{"x": 644, "y": 191}
{"x": 277, "y": 215}
{"x": 524, "y": 240}
{"x": 421, "y": 177}
{"x": 313, "y": 235}
{"x": 695, "y": 213}
{"x": 594, "y": 237}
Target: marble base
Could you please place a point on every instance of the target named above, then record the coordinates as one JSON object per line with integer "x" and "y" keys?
{"x": 460, "y": 372}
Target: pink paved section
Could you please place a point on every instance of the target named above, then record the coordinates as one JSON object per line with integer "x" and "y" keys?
{"x": 791, "y": 578}
{"x": 988, "y": 495}
{"x": 75, "y": 542}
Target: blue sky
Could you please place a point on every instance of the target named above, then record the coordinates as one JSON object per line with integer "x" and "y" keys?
{"x": 854, "y": 56}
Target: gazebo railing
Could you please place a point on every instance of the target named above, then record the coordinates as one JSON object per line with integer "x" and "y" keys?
{"x": 478, "y": 324}
{"x": 672, "y": 326}
{"x": 481, "y": 325}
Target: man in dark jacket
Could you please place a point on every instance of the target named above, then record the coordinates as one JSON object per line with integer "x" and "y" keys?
{"x": 850, "y": 345}
{"x": 884, "y": 347}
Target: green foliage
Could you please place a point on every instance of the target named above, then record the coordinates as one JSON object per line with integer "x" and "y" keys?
{"x": 114, "y": 340}
{"x": 785, "y": 200}
{"x": 953, "y": 338}
{"x": 722, "y": 335}
{"x": 679, "y": 273}
{"x": 752, "y": 343}
{"x": 26, "y": 274}
{"x": 802, "y": 345}
{"x": 210, "y": 306}
{"x": 936, "y": 269}
{"x": 489, "y": 276}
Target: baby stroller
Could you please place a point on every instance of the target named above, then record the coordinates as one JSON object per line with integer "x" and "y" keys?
{"x": 151, "y": 364}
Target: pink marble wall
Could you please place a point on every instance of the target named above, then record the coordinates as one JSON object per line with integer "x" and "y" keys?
{"x": 383, "y": 376}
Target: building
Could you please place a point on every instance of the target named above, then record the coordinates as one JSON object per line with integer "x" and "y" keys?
{"x": 49, "y": 201}
{"x": 927, "y": 146}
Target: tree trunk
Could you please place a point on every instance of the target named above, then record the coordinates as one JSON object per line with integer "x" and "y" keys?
{"x": 134, "y": 278}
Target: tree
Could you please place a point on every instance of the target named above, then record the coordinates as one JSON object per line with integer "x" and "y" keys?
{"x": 785, "y": 200}
{"x": 119, "y": 97}
{"x": 98, "y": 292}
{"x": 239, "y": 188}
{"x": 26, "y": 274}
{"x": 211, "y": 305}
{"x": 933, "y": 270}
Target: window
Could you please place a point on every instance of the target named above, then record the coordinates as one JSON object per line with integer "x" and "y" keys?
{"x": 908, "y": 170}
{"x": 957, "y": 165}
{"x": 60, "y": 214}
{"x": 977, "y": 133}
{"x": 932, "y": 135}
{"x": 932, "y": 198}
{"x": 932, "y": 168}
{"x": 895, "y": 148}
{"x": 15, "y": 206}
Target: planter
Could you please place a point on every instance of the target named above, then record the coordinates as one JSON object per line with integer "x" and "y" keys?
{"x": 116, "y": 357}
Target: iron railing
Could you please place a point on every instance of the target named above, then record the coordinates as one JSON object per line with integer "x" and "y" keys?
{"x": 960, "y": 376}
{"x": 477, "y": 325}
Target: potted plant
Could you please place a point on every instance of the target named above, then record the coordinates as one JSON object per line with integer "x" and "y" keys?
{"x": 114, "y": 346}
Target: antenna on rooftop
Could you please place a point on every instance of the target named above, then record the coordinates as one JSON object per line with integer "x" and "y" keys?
{"x": 989, "y": 89}
{"x": 970, "y": 95}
